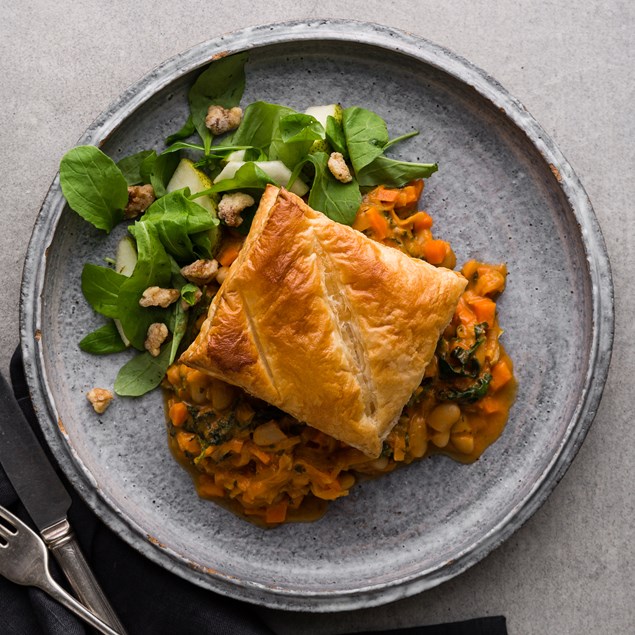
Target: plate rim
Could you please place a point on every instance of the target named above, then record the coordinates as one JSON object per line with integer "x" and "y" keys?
{"x": 598, "y": 272}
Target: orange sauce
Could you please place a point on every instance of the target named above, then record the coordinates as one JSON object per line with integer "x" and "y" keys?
{"x": 269, "y": 468}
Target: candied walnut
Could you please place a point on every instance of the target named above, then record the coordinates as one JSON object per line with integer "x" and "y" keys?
{"x": 220, "y": 120}
{"x": 157, "y": 334}
{"x": 100, "y": 399}
{"x": 338, "y": 168}
{"x": 156, "y": 296}
{"x": 200, "y": 272}
{"x": 231, "y": 206}
{"x": 140, "y": 197}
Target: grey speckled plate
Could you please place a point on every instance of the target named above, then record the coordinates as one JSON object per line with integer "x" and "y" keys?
{"x": 504, "y": 192}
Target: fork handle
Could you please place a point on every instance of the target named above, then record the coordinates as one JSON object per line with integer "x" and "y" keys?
{"x": 68, "y": 554}
{"x": 66, "y": 599}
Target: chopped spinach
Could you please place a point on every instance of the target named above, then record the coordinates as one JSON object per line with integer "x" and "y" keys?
{"x": 211, "y": 427}
{"x": 461, "y": 361}
{"x": 469, "y": 395}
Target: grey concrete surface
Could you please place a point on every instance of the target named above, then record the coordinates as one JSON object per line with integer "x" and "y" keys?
{"x": 570, "y": 569}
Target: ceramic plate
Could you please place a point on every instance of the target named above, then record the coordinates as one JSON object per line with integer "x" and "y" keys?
{"x": 503, "y": 193}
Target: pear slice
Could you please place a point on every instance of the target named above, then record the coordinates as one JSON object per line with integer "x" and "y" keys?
{"x": 321, "y": 113}
{"x": 126, "y": 257}
{"x": 186, "y": 175}
{"x": 125, "y": 262}
{"x": 277, "y": 171}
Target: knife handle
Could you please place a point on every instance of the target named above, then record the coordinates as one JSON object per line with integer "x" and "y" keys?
{"x": 62, "y": 542}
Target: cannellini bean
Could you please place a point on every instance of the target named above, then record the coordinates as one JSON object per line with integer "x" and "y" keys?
{"x": 464, "y": 443}
{"x": 417, "y": 436}
{"x": 221, "y": 395}
{"x": 379, "y": 464}
{"x": 221, "y": 274}
{"x": 440, "y": 439}
{"x": 444, "y": 416}
{"x": 461, "y": 426}
{"x": 347, "y": 481}
{"x": 268, "y": 434}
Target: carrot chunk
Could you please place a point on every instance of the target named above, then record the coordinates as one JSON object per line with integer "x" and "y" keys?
{"x": 501, "y": 375}
{"x": 484, "y": 309}
{"x": 434, "y": 251}
{"x": 277, "y": 513}
{"x": 378, "y": 223}
{"x": 229, "y": 252}
{"x": 178, "y": 413}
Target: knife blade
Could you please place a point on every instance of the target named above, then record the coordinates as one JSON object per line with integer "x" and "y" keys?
{"x": 47, "y": 501}
{"x": 32, "y": 476}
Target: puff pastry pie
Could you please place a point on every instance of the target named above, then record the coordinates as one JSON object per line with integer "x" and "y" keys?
{"x": 325, "y": 323}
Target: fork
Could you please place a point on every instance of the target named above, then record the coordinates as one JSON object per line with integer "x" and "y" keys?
{"x": 24, "y": 560}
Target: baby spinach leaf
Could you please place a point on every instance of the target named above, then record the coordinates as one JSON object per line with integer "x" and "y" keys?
{"x": 335, "y": 136}
{"x": 366, "y": 135}
{"x": 393, "y": 173}
{"x": 293, "y": 138}
{"x": 400, "y": 138}
{"x": 189, "y": 292}
{"x": 178, "y": 328}
{"x": 339, "y": 201}
{"x": 179, "y": 316}
{"x": 183, "y": 145}
{"x": 152, "y": 269}
{"x": 187, "y": 130}
{"x": 93, "y": 186}
{"x": 137, "y": 168}
{"x": 300, "y": 127}
{"x": 101, "y": 286}
{"x": 259, "y": 123}
{"x": 142, "y": 373}
{"x": 162, "y": 172}
{"x": 103, "y": 341}
{"x": 220, "y": 150}
{"x": 223, "y": 84}
{"x": 175, "y": 218}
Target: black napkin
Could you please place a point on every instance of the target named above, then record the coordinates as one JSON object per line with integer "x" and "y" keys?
{"x": 148, "y": 599}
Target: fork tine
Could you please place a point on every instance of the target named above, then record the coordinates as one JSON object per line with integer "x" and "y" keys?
{"x": 5, "y": 533}
{"x": 8, "y": 523}
{"x": 7, "y": 516}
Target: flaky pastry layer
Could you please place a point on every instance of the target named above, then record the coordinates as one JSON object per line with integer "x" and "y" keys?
{"x": 325, "y": 323}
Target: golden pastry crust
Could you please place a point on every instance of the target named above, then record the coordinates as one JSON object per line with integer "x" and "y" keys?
{"x": 324, "y": 323}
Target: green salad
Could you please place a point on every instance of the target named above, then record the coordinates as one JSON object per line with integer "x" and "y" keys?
{"x": 179, "y": 204}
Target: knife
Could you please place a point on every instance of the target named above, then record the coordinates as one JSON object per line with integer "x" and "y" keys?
{"x": 47, "y": 501}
